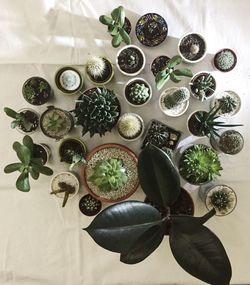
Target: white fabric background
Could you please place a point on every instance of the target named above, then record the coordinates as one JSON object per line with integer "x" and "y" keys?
{"x": 43, "y": 244}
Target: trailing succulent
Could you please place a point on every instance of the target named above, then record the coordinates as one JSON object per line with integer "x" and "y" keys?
{"x": 169, "y": 72}
{"x": 202, "y": 85}
{"x": 109, "y": 174}
{"x": 176, "y": 98}
{"x": 135, "y": 229}
{"x": 199, "y": 164}
{"x": 28, "y": 165}
{"x": 139, "y": 93}
{"x": 116, "y": 26}
{"x": 97, "y": 112}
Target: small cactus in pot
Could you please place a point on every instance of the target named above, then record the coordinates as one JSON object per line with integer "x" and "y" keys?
{"x": 225, "y": 60}
{"x": 176, "y": 98}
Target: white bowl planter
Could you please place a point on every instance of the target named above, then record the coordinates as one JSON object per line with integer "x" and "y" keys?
{"x": 173, "y": 112}
{"x": 127, "y": 67}
{"x": 134, "y": 81}
{"x": 198, "y": 47}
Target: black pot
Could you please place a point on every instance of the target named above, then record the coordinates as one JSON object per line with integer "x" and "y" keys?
{"x": 74, "y": 144}
{"x": 194, "y": 125}
{"x": 41, "y": 151}
{"x": 159, "y": 63}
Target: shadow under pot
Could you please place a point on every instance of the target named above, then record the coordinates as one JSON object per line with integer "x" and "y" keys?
{"x": 56, "y": 123}
{"x": 41, "y": 151}
{"x": 37, "y": 91}
{"x": 130, "y": 60}
{"x": 159, "y": 64}
{"x": 138, "y": 92}
{"x": 184, "y": 205}
{"x": 202, "y": 86}
{"x": 69, "y": 80}
{"x": 220, "y": 197}
{"x": 230, "y": 142}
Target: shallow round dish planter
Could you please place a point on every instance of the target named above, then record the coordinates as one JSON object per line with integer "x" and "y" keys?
{"x": 133, "y": 99}
{"x": 220, "y": 197}
{"x": 230, "y": 142}
{"x": 56, "y": 123}
{"x": 192, "y": 47}
{"x": 33, "y": 117}
{"x": 130, "y": 60}
{"x": 42, "y": 151}
{"x": 225, "y": 60}
{"x": 196, "y": 89}
{"x": 130, "y": 126}
{"x": 103, "y": 153}
{"x": 99, "y": 70}
{"x": 37, "y": 91}
{"x": 69, "y": 80}
{"x": 172, "y": 112}
{"x": 159, "y": 63}
{"x": 231, "y": 100}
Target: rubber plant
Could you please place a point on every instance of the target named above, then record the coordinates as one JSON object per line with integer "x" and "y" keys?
{"x": 169, "y": 72}
{"x": 135, "y": 229}
{"x": 28, "y": 165}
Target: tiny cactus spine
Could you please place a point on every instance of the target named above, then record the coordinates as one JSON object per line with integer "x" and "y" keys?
{"x": 139, "y": 93}
{"x": 96, "y": 66}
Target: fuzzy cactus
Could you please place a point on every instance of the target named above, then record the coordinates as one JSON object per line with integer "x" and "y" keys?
{"x": 139, "y": 93}
{"x": 225, "y": 60}
{"x": 96, "y": 66}
{"x": 129, "y": 126}
{"x": 176, "y": 98}
{"x": 194, "y": 49}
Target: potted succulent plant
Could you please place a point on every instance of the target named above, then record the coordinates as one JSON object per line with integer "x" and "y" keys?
{"x": 97, "y": 110}
{"x": 119, "y": 26}
{"x": 225, "y": 60}
{"x": 159, "y": 64}
{"x": 89, "y": 205}
{"x": 137, "y": 92}
{"x": 64, "y": 185}
{"x": 72, "y": 151}
{"x": 56, "y": 123}
{"x": 220, "y": 197}
{"x": 174, "y": 101}
{"x": 130, "y": 126}
{"x": 135, "y": 230}
{"x": 28, "y": 165}
{"x": 169, "y": 72}
{"x": 229, "y": 142}
{"x": 130, "y": 60}
{"x": 199, "y": 164}
{"x": 69, "y": 80}
{"x": 37, "y": 91}
{"x": 99, "y": 70}
{"x": 25, "y": 120}
{"x": 110, "y": 173}
{"x": 202, "y": 85}
{"x": 203, "y": 123}
{"x": 192, "y": 47}
{"x": 41, "y": 150}
{"x": 231, "y": 103}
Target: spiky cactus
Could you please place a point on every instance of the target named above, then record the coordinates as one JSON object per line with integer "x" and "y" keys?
{"x": 202, "y": 85}
{"x": 176, "y": 98}
{"x": 139, "y": 93}
{"x": 129, "y": 125}
{"x": 220, "y": 199}
{"x": 228, "y": 103}
{"x": 96, "y": 66}
{"x": 97, "y": 112}
{"x": 225, "y": 60}
{"x": 109, "y": 174}
{"x": 199, "y": 164}
{"x": 231, "y": 142}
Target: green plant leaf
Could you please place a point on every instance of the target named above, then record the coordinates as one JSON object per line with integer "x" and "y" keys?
{"x": 14, "y": 124}
{"x": 10, "y": 112}
{"x": 28, "y": 142}
{"x": 23, "y": 183}
{"x": 183, "y": 72}
{"x": 118, "y": 15}
{"x": 43, "y": 169}
{"x": 201, "y": 254}
{"x": 125, "y": 36}
{"x": 158, "y": 177}
{"x": 175, "y": 60}
{"x": 22, "y": 152}
{"x": 160, "y": 79}
{"x": 105, "y": 20}
{"x": 113, "y": 30}
{"x": 12, "y": 167}
{"x": 119, "y": 226}
{"x": 174, "y": 78}
{"x": 144, "y": 245}
{"x": 116, "y": 41}
{"x": 34, "y": 174}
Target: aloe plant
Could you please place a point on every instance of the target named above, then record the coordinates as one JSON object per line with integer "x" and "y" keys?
{"x": 169, "y": 72}
{"x": 135, "y": 229}
{"x": 28, "y": 165}
{"x": 115, "y": 25}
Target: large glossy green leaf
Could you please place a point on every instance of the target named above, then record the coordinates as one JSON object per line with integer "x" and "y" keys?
{"x": 23, "y": 152}
{"x": 28, "y": 142}
{"x": 158, "y": 177}
{"x": 144, "y": 245}
{"x": 116, "y": 41}
{"x": 34, "y": 173}
{"x": 119, "y": 226}
{"x": 11, "y": 113}
{"x": 201, "y": 254}
{"x": 174, "y": 78}
{"x": 12, "y": 167}
{"x": 183, "y": 72}
{"x": 175, "y": 60}
{"x": 105, "y": 20}
{"x": 125, "y": 36}
{"x": 23, "y": 183}
{"x": 161, "y": 80}
{"x": 118, "y": 15}
{"x": 42, "y": 169}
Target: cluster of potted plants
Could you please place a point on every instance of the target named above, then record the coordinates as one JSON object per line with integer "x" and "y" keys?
{"x": 112, "y": 172}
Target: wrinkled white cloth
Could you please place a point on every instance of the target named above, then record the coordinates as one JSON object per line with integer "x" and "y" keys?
{"x": 42, "y": 243}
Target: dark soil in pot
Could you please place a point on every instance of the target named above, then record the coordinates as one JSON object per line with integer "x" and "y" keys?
{"x": 31, "y": 117}
{"x": 40, "y": 152}
{"x": 106, "y": 74}
{"x": 37, "y": 91}
{"x": 127, "y": 25}
{"x": 188, "y": 43}
{"x": 71, "y": 145}
{"x": 129, "y": 88}
{"x": 130, "y": 60}
{"x": 194, "y": 125}
{"x": 159, "y": 63}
